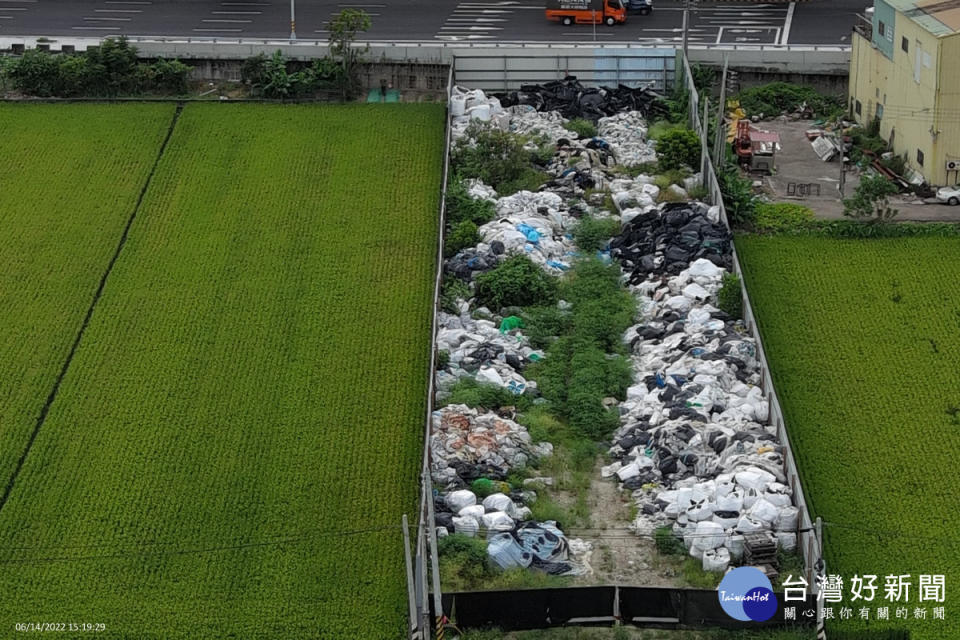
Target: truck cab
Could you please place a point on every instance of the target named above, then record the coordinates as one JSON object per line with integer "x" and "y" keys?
{"x": 567, "y": 12}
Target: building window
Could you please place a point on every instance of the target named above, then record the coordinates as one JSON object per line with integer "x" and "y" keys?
{"x": 881, "y": 28}
{"x": 858, "y": 109}
{"x": 919, "y": 157}
{"x": 905, "y": 44}
{"x": 879, "y": 111}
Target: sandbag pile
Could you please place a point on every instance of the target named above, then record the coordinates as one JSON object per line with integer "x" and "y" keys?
{"x": 467, "y": 444}
{"x": 693, "y": 446}
{"x": 481, "y": 350}
{"x": 627, "y": 133}
{"x": 467, "y": 106}
{"x": 534, "y": 224}
{"x": 573, "y": 100}
{"x": 668, "y": 239}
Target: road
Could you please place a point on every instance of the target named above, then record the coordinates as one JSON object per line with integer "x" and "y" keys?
{"x": 799, "y": 23}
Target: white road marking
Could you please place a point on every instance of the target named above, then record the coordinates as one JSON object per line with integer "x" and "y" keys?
{"x": 788, "y": 23}
{"x": 108, "y": 19}
{"x": 126, "y": 2}
{"x": 229, "y": 21}
{"x": 118, "y": 10}
{"x": 472, "y": 28}
{"x": 477, "y": 20}
{"x": 580, "y": 33}
{"x": 483, "y": 11}
{"x": 14, "y": 9}
{"x": 236, "y": 13}
{"x": 92, "y": 28}
{"x": 244, "y": 4}
{"x": 372, "y": 6}
{"x": 220, "y": 30}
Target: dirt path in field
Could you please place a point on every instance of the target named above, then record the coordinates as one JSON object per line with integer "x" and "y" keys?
{"x": 619, "y": 556}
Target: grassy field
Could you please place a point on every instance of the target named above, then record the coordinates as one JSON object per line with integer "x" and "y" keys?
{"x": 864, "y": 345}
{"x": 240, "y": 430}
{"x": 70, "y": 176}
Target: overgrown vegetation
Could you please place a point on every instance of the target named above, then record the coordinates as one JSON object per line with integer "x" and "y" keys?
{"x": 738, "y": 197}
{"x": 730, "y": 296}
{"x": 451, "y": 290}
{"x": 461, "y": 206}
{"x": 678, "y": 148}
{"x": 499, "y": 159}
{"x": 778, "y": 97}
{"x": 582, "y": 127}
{"x": 515, "y": 282}
{"x": 108, "y": 70}
{"x": 461, "y": 236}
{"x": 871, "y": 200}
{"x": 592, "y": 234}
{"x": 586, "y": 365}
{"x": 488, "y": 396}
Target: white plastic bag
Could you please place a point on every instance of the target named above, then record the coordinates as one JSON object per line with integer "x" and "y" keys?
{"x": 467, "y": 526}
{"x": 498, "y": 521}
{"x": 457, "y": 500}
{"x": 716, "y": 560}
{"x": 499, "y": 502}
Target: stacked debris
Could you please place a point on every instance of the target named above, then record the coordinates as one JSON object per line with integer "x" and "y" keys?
{"x": 668, "y": 239}
{"x": 573, "y": 100}
{"x": 693, "y": 446}
{"x": 478, "y": 349}
{"x": 627, "y": 132}
{"x": 467, "y": 444}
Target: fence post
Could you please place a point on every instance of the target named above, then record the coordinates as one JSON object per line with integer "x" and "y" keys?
{"x": 411, "y": 595}
{"x": 821, "y": 568}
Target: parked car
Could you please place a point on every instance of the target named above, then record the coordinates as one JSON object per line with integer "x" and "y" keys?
{"x": 949, "y": 195}
{"x": 643, "y": 7}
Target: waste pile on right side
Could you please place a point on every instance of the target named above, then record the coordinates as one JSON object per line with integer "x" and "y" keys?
{"x": 694, "y": 447}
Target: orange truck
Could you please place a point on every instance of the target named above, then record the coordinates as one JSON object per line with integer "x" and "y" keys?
{"x": 567, "y": 12}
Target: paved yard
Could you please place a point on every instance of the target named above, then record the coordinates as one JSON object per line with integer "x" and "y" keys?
{"x": 798, "y": 164}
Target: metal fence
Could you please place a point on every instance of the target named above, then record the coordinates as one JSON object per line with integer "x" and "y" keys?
{"x": 656, "y": 607}
{"x": 810, "y": 542}
{"x": 501, "y": 71}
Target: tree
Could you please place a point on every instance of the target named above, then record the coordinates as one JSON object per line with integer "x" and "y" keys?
{"x": 343, "y": 31}
{"x": 870, "y": 202}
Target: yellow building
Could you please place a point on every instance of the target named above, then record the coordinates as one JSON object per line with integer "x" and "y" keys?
{"x": 905, "y": 70}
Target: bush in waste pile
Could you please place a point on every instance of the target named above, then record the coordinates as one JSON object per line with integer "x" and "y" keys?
{"x": 592, "y": 234}
{"x": 498, "y": 158}
{"x": 582, "y": 127}
{"x": 462, "y": 206}
{"x": 542, "y": 324}
{"x": 453, "y": 289}
{"x": 462, "y": 235}
{"x": 730, "y": 296}
{"x": 515, "y": 282}
{"x": 485, "y": 395}
{"x": 667, "y": 542}
{"x": 678, "y": 148}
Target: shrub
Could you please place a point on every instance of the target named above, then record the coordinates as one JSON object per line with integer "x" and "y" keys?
{"x": 169, "y": 76}
{"x": 667, "y": 542}
{"x": 730, "y": 296}
{"x": 592, "y": 234}
{"x": 870, "y": 201}
{"x": 497, "y": 157}
{"x": 462, "y": 206}
{"x": 776, "y": 97}
{"x": 462, "y": 235}
{"x": 463, "y": 560}
{"x": 542, "y": 324}
{"x": 489, "y": 396}
{"x": 443, "y": 359}
{"x": 36, "y": 73}
{"x": 737, "y": 194}
{"x": 678, "y": 148}
{"x": 582, "y": 127}
{"x": 782, "y": 216}
{"x": 453, "y": 289}
{"x": 699, "y": 192}
{"x": 515, "y": 282}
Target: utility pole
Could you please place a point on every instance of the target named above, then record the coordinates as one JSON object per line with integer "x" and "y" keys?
{"x": 720, "y": 139}
{"x": 293, "y": 21}
{"x": 686, "y": 18}
{"x": 704, "y": 136}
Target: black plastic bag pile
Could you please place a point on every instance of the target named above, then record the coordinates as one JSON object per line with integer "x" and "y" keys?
{"x": 667, "y": 241}
{"x": 573, "y": 100}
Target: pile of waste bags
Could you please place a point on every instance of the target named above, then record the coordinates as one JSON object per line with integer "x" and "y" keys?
{"x": 573, "y": 100}
{"x": 693, "y": 446}
{"x": 467, "y": 444}
{"x": 484, "y": 351}
{"x": 667, "y": 239}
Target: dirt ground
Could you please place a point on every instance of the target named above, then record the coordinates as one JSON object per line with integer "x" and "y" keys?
{"x": 619, "y": 556}
{"x": 798, "y": 163}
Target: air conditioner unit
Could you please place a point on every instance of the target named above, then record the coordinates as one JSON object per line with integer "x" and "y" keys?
{"x": 953, "y": 165}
